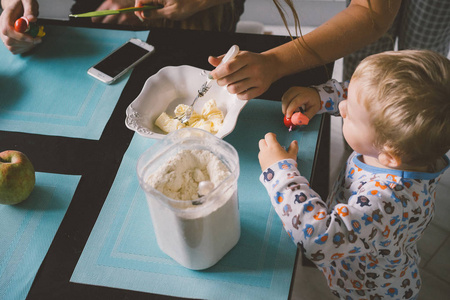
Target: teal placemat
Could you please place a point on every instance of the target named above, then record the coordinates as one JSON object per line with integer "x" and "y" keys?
{"x": 27, "y": 230}
{"x": 122, "y": 251}
{"x": 48, "y": 91}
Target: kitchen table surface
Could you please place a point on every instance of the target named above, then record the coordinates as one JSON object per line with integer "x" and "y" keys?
{"x": 95, "y": 162}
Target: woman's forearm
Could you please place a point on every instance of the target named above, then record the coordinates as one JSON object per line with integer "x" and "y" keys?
{"x": 351, "y": 29}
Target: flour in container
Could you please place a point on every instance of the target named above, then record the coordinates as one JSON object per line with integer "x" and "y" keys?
{"x": 181, "y": 175}
{"x": 195, "y": 232}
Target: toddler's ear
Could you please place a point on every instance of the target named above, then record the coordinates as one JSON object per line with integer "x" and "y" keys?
{"x": 388, "y": 158}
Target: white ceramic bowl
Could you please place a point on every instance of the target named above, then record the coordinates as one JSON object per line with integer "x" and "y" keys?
{"x": 171, "y": 86}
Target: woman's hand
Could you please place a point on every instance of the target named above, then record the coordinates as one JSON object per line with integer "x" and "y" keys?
{"x": 270, "y": 151}
{"x": 175, "y": 10}
{"x": 124, "y": 19}
{"x": 248, "y": 75}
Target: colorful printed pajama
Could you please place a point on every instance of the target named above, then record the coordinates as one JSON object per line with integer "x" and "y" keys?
{"x": 363, "y": 237}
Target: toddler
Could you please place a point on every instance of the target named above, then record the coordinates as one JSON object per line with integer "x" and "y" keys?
{"x": 396, "y": 118}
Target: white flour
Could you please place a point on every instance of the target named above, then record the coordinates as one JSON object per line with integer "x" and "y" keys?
{"x": 180, "y": 176}
{"x": 197, "y": 234}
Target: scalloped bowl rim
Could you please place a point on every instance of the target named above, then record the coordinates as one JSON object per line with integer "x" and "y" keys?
{"x": 171, "y": 86}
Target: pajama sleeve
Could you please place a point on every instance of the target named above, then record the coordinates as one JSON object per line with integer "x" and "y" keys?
{"x": 331, "y": 94}
{"x": 325, "y": 234}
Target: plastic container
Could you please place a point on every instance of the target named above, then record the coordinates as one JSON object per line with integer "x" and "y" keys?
{"x": 196, "y": 236}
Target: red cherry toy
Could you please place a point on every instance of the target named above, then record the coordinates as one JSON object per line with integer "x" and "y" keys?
{"x": 21, "y": 25}
{"x": 288, "y": 122}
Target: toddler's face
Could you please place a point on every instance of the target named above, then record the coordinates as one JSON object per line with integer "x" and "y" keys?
{"x": 357, "y": 129}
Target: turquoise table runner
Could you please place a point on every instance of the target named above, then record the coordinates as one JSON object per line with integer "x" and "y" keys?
{"x": 49, "y": 92}
{"x": 122, "y": 251}
{"x": 27, "y": 230}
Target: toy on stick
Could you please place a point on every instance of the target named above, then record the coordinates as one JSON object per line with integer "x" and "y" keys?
{"x": 22, "y": 25}
{"x": 297, "y": 119}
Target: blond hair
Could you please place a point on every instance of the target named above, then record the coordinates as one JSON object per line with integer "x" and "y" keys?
{"x": 299, "y": 42}
{"x": 407, "y": 94}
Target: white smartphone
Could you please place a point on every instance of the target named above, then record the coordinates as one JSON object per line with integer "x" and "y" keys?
{"x": 121, "y": 60}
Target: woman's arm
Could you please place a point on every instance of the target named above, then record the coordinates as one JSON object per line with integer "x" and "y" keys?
{"x": 251, "y": 74}
{"x": 353, "y": 28}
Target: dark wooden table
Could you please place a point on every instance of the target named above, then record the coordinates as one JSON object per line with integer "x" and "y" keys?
{"x": 98, "y": 160}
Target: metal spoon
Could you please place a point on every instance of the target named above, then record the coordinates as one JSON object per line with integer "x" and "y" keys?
{"x": 204, "y": 187}
{"x": 184, "y": 118}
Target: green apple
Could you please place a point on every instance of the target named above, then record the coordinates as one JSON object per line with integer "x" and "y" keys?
{"x": 17, "y": 177}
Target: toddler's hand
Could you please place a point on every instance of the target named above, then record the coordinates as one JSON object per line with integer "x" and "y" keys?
{"x": 270, "y": 151}
{"x": 297, "y": 97}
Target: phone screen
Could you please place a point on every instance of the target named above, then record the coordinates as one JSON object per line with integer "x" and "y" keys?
{"x": 121, "y": 59}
